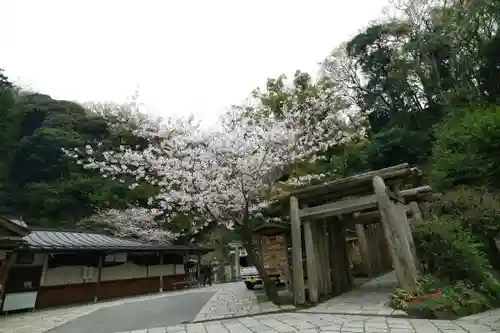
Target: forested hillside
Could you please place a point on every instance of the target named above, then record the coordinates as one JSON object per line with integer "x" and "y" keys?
{"x": 40, "y": 184}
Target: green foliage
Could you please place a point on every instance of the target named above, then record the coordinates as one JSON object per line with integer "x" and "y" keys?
{"x": 349, "y": 159}
{"x": 37, "y": 181}
{"x": 466, "y": 149}
{"x": 451, "y": 253}
{"x": 478, "y": 211}
{"x": 398, "y": 145}
{"x": 435, "y": 298}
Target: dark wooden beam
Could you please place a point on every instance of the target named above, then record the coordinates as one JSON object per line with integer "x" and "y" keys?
{"x": 354, "y": 183}
{"x": 344, "y": 207}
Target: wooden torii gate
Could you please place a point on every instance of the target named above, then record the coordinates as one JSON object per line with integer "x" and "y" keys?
{"x": 321, "y": 213}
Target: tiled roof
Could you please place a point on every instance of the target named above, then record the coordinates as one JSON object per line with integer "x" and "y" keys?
{"x": 20, "y": 223}
{"x": 16, "y": 226}
{"x": 81, "y": 241}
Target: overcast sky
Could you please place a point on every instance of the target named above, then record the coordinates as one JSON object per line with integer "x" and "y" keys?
{"x": 186, "y": 56}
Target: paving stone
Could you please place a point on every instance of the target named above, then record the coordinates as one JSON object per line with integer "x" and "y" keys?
{"x": 234, "y": 299}
{"x": 317, "y": 323}
{"x": 177, "y": 329}
{"x": 157, "y": 330}
{"x": 370, "y": 298}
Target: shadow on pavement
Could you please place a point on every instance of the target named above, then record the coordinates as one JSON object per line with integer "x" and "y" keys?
{"x": 160, "y": 312}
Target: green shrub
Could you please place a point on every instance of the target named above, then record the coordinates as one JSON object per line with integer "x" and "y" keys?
{"x": 478, "y": 211}
{"x": 459, "y": 299}
{"x": 466, "y": 149}
{"x": 451, "y": 253}
{"x": 435, "y": 295}
{"x": 398, "y": 145}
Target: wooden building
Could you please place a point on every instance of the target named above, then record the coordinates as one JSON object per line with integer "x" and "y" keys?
{"x": 54, "y": 268}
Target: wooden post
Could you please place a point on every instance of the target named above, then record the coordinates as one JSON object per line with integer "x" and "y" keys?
{"x": 393, "y": 219}
{"x": 189, "y": 273}
{"x": 288, "y": 264}
{"x": 378, "y": 253}
{"x": 297, "y": 267}
{"x": 325, "y": 255}
{"x": 99, "y": 277}
{"x": 9, "y": 261}
{"x": 237, "y": 263}
{"x": 198, "y": 269}
{"x": 340, "y": 261}
{"x": 312, "y": 273}
{"x": 417, "y": 215}
{"x": 406, "y": 229}
{"x": 364, "y": 250}
{"x": 319, "y": 251}
{"x": 161, "y": 272}
{"x": 45, "y": 268}
{"x": 334, "y": 263}
{"x": 385, "y": 247}
{"x": 347, "y": 260}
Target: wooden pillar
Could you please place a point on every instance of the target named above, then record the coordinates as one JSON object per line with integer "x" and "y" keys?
{"x": 99, "y": 277}
{"x": 45, "y": 268}
{"x": 417, "y": 215}
{"x": 318, "y": 242}
{"x": 384, "y": 247}
{"x": 325, "y": 256}
{"x": 288, "y": 264}
{"x": 406, "y": 230}
{"x": 334, "y": 263}
{"x": 366, "y": 258}
{"x": 187, "y": 273}
{"x": 161, "y": 272}
{"x": 198, "y": 269}
{"x": 298, "y": 268}
{"x": 375, "y": 242}
{"x": 340, "y": 259}
{"x": 347, "y": 260}
{"x": 394, "y": 220}
{"x": 237, "y": 263}
{"x": 312, "y": 273}
{"x": 10, "y": 260}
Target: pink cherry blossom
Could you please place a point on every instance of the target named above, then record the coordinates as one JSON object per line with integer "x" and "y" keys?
{"x": 218, "y": 175}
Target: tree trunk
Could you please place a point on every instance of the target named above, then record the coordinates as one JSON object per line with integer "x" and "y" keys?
{"x": 256, "y": 259}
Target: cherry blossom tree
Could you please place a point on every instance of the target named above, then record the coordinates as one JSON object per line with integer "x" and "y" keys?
{"x": 225, "y": 175}
{"x": 136, "y": 222}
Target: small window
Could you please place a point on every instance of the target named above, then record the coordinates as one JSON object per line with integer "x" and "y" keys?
{"x": 88, "y": 272}
{"x": 25, "y": 258}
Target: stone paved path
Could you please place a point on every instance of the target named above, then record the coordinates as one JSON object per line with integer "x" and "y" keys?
{"x": 233, "y": 299}
{"x": 368, "y": 313}
{"x": 364, "y": 310}
{"x": 372, "y": 298}
{"x": 42, "y": 321}
{"x": 488, "y": 318}
{"x": 314, "y": 323}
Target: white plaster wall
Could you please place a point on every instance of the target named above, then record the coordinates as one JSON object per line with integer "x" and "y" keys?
{"x": 157, "y": 270}
{"x": 74, "y": 274}
{"x": 128, "y": 270}
{"x": 65, "y": 275}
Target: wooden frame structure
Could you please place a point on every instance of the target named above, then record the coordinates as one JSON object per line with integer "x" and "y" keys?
{"x": 374, "y": 205}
